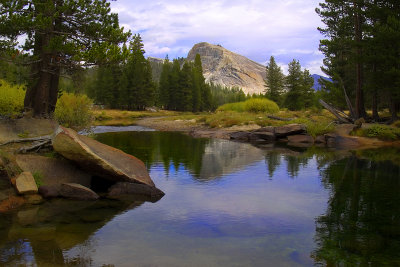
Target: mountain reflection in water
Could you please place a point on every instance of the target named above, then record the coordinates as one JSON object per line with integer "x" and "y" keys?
{"x": 226, "y": 204}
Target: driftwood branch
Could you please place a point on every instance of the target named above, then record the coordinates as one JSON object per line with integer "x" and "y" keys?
{"x": 36, "y": 146}
{"x": 340, "y": 115}
{"x": 40, "y": 138}
{"x": 348, "y": 102}
{"x": 279, "y": 118}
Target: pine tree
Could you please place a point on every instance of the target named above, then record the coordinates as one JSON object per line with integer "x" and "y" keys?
{"x": 343, "y": 48}
{"x": 107, "y": 86}
{"x": 60, "y": 34}
{"x": 299, "y": 87}
{"x": 164, "y": 84}
{"x": 274, "y": 82}
{"x": 294, "y": 100}
{"x": 198, "y": 84}
{"x": 137, "y": 88}
{"x": 185, "y": 88}
{"x": 174, "y": 90}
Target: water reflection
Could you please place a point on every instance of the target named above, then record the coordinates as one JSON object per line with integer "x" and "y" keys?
{"x": 39, "y": 234}
{"x": 361, "y": 226}
{"x": 206, "y": 159}
{"x": 226, "y": 204}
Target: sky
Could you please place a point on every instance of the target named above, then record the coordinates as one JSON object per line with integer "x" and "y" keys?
{"x": 257, "y": 29}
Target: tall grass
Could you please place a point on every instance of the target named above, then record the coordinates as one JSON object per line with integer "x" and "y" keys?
{"x": 74, "y": 111}
{"x": 254, "y": 105}
{"x": 11, "y": 98}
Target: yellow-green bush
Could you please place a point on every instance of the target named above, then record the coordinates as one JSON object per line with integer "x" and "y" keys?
{"x": 254, "y": 105}
{"x": 11, "y": 98}
{"x": 74, "y": 111}
{"x": 237, "y": 106}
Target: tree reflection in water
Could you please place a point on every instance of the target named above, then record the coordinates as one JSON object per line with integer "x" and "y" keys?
{"x": 361, "y": 226}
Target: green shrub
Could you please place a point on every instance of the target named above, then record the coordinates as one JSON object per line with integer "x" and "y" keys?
{"x": 74, "y": 111}
{"x": 11, "y": 98}
{"x": 254, "y": 105}
{"x": 382, "y": 132}
{"x": 237, "y": 106}
{"x": 257, "y": 105}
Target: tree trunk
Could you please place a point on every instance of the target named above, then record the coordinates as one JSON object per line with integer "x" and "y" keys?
{"x": 375, "y": 115}
{"x": 360, "y": 109}
{"x": 41, "y": 95}
{"x": 393, "y": 107}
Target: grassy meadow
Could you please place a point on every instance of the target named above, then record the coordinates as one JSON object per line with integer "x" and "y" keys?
{"x": 78, "y": 111}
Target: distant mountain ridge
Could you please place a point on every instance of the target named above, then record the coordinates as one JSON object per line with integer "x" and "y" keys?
{"x": 317, "y": 85}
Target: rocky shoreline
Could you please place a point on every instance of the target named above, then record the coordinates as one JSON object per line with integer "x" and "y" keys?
{"x": 80, "y": 168}
{"x": 292, "y": 134}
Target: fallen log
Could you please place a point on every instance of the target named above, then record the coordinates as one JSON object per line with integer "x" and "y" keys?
{"x": 37, "y": 146}
{"x": 346, "y": 97}
{"x": 340, "y": 115}
{"x": 23, "y": 140}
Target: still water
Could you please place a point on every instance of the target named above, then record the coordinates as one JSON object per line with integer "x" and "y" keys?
{"x": 226, "y": 204}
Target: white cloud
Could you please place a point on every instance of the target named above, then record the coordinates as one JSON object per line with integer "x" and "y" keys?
{"x": 255, "y": 28}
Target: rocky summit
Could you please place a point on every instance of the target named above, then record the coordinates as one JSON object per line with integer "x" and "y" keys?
{"x": 226, "y": 68}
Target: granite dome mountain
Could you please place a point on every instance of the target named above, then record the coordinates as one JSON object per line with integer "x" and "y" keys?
{"x": 221, "y": 66}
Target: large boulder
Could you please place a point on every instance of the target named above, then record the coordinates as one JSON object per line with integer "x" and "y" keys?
{"x": 290, "y": 129}
{"x": 25, "y": 184}
{"x": 100, "y": 159}
{"x": 77, "y": 191}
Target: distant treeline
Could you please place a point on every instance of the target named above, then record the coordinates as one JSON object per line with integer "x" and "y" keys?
{"x": 137, "y": 83}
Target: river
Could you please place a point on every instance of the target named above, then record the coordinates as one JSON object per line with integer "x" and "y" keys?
{"x": 226, "y": 204}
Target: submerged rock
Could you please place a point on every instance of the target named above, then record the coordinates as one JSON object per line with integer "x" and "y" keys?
{"x": 77, "y": 191}
{"x": 25, "y": 184}
{"x": 100, "y": 159}
{"x": 130, "y": 189}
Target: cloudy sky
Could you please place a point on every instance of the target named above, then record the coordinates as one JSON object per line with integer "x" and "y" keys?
{"x": 257, "y": 29}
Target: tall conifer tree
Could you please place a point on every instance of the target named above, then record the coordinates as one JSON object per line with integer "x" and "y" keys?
{"x": 274, "y": 82}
